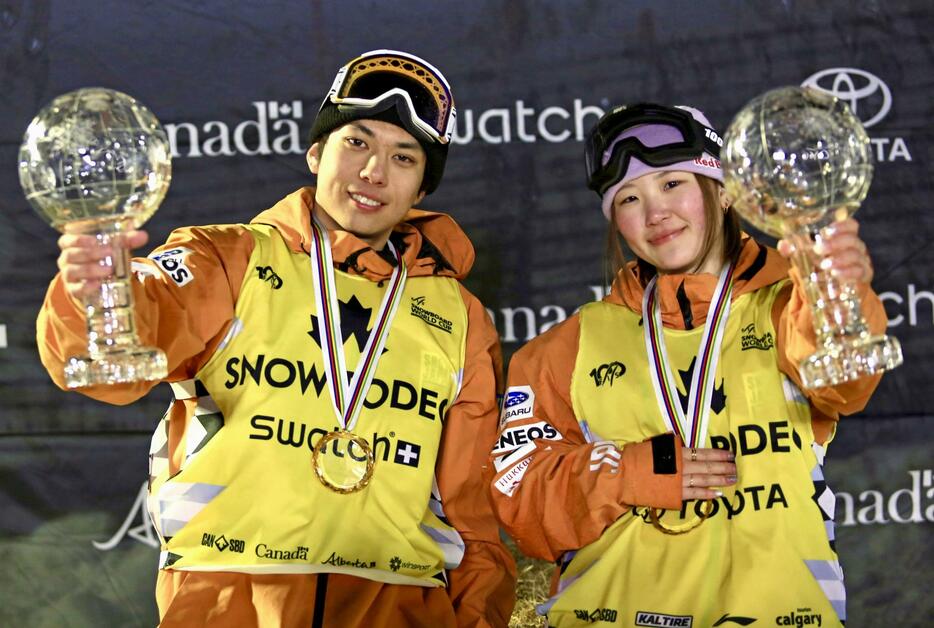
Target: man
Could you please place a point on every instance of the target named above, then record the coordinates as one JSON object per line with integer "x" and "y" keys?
{"x": 323, "y": 462}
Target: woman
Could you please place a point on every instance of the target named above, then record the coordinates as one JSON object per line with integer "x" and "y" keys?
{"x": 657, "y": 444}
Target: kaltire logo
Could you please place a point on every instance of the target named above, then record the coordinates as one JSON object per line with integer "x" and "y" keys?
{"x": 869, "y": 97}
{"x": 649, "y": 618}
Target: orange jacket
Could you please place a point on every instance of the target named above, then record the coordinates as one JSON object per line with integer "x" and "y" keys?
{"x": 559, "y": 504}
{"x": 481, "y": 589}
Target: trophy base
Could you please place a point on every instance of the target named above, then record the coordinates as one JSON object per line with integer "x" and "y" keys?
{"x": 850, "y": 361}
{"x": 135, "y": 364}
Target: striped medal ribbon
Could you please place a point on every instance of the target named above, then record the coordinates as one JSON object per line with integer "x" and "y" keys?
{"x": 691, "y": 428}
{"x": 348, "y": 466}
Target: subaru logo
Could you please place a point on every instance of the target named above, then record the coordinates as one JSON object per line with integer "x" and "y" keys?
{"x": 515, "y": 398}
{"x": 864, "y": 92}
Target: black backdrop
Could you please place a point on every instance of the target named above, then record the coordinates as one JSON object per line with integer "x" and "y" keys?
{"x": 237, "y": 85}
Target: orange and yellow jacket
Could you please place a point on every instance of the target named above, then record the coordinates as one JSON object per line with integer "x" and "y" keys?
{"x": 249, "y": 536}
{"x": 574, "y": 462}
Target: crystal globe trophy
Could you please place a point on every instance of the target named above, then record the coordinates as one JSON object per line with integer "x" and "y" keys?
{"x": 796, "y": 160}
{"x": 96, "y": 161}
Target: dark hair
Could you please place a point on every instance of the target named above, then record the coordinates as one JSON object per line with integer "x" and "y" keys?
{"x": 322, "y": 140}
{"x": 618, "y": 254}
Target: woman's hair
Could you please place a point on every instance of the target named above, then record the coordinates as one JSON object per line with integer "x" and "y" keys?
{"x": 618, "y": 253}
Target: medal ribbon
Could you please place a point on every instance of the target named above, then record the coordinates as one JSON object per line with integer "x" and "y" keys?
{"x": 692, "y": 428}
{"x": 347, "y": 399}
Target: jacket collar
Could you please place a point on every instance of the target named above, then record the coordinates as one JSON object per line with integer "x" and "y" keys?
{"x": 684, "y": 298}
{"x": 431, "y": 243}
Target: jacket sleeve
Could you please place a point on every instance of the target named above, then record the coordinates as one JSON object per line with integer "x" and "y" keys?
{"x": 796, "y": 340}
{"x": 482, "y": 588}
{"x": 554, "y": 491}
{"x": 183, "y": 304}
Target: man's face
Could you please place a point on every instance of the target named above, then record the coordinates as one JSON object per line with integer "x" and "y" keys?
{"x": 369, "y": 175}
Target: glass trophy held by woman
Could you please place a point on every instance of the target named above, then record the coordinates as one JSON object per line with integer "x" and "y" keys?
{"x": 795, "y": 160}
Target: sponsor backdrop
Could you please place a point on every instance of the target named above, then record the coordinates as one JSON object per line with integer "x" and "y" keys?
{"x": 237, "y": 86}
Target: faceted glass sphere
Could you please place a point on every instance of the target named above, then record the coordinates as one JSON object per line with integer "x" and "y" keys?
{"x": 93, "y": 155}
{"x": 793, "y": 155}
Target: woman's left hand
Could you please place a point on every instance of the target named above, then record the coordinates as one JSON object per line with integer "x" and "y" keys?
{"x": 841, "y": 251}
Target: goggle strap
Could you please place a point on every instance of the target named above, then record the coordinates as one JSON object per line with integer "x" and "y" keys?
{"x": 445, "y": 122}
{"x": 654, "y": 156}
{"x": 698, "y": 139}
{"x": 395, "y": 98}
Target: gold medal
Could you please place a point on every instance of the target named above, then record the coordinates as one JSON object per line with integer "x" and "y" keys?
{"x": 348, "y": 466}
{"x": 682, "y": 528}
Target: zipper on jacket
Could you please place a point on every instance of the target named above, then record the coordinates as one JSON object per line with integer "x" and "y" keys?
{"x": 321, "y": 592}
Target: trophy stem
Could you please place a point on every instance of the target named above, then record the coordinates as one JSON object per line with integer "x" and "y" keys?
{"x": 114, "y": 352}
{"x": 846, "y": 350}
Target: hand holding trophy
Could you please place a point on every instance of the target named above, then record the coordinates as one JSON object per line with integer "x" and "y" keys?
{"x": 95, "y": 161}
{"x": 795, "y": 160}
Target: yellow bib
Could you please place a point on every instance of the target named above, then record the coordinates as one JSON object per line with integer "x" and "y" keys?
{"x": 765, "y": 552}
{"x": 246, "y": 498}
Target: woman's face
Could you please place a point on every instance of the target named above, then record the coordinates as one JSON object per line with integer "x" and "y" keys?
{"x": 661, "y": 216}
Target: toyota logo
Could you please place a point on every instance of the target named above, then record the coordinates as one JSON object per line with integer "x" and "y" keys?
{"x": 856, "y": 87}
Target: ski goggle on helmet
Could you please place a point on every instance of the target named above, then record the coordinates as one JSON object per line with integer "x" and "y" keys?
{"x": 381, "y": 79}
{"x": 631, "y": 141}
